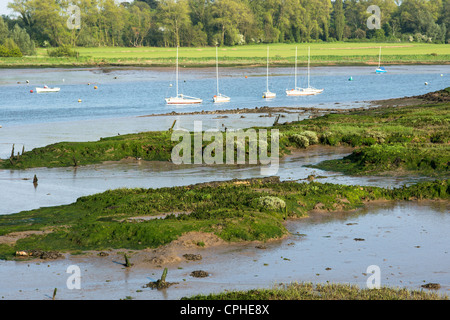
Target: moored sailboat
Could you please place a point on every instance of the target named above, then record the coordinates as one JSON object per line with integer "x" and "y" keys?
{"x": 308, "y": 91}
{"x": 180, "y": 98}
{"x": 268, "y": 94}
{"x": 380, "y": 69}
{"x": 219, "y": 98}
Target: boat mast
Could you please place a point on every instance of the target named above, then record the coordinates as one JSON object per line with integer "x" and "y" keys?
{"x": 379, "y": 58}
{"x": 295, "y": 87}
{"x": 177, "y": 71}
{"x": 309, "y": 54}
{"x": 267, "y": 69}
{"x": 217, "y": 70}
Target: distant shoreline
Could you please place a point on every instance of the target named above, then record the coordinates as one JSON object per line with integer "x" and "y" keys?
{"x": 73, "y": 64}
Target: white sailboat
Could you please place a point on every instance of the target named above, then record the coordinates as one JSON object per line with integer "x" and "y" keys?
{"x": 308, "y": 91}
{"x": 180, "y": 98}
{"x": 268, "y": 94}
{"x": 380, "y": 69}
{"x": 219, "y": 98}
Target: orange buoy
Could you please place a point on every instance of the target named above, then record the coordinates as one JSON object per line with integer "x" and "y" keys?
{"x": 246, "y": 77}
{"x": 31, "y": 91}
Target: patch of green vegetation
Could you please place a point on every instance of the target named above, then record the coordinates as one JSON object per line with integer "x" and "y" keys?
{"x": 328, "y": 291}
{"x": 155, "y": 146}
{"x": 404, "y": 139}
{"x": 431, "y": 160}
{"x": 231, "y": 210}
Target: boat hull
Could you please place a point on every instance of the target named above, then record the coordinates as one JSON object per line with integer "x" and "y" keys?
{"x": 269, "y": 95}
{"x": 182, "y": 101}
{"x": 304, "y": 92}
{"x": 46, "y": 90}
{"x": 221, "y": 99}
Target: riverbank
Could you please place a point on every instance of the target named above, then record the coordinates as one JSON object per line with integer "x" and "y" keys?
{"x": 282, "y": 55}
{"x": 144, "y": 219}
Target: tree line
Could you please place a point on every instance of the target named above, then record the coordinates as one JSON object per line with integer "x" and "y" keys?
{"x": 167, "y": 23}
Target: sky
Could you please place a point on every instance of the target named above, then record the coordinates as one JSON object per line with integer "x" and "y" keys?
{"x": 3, "y": 8}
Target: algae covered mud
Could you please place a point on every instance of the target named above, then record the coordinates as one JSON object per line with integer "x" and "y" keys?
{"x": 254, "y": 231}
{"x": 418, "y": 230}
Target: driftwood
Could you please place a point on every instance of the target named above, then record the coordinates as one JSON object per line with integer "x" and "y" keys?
{"x": 160, "y": 283}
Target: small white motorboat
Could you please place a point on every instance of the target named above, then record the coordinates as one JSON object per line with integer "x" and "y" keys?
{"x": 47, "y": 89}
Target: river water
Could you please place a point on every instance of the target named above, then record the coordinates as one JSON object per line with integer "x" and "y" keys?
{"x": 140, "y": 91}
{"x": 407, "y": 240}
{"x": 123, "y": 95}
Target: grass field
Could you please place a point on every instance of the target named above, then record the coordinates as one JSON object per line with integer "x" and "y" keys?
{"x": 337, "y": 53}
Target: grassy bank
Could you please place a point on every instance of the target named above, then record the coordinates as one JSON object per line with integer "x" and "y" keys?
{"x": 401, "y": 140}
{"x": 151, "y": 146}
{"x": 322, "y": 54}
{"x": 396, "y": 140}
{"x": 310, "y": 291}
{"x": 234, "y": 211}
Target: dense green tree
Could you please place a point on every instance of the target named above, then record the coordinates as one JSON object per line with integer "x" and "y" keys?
{"x": 139, "y": 24}
{"x": 23, "y": 41}
{"x": 4, "y": 31}
{"x": 232, "y": 21}
{"x": 223, "y": 22}
{"x": 444, "y": 19}
{"x": 10, "y": 49}
{"x": 173, "y": 16}
{"x": 339, "y": 19}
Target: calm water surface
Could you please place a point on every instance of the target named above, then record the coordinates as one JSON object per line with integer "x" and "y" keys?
{"x": 142, "y": 91}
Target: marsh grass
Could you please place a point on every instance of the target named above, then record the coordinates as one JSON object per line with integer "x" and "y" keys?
{"x": 230, "y": 210}
{"x": 328, "y": 291}
{"x": 403, "y": 139}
